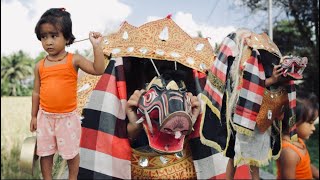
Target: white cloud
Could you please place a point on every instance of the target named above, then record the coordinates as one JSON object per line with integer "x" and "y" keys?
{"x": 215, "y": 34}
{"x": 17, "y": 30}
{"x": 18, "y": 22}
{"x": 186, "y": 22}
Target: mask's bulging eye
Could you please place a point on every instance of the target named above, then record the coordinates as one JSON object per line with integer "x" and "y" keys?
{"x": 150, "y": 96}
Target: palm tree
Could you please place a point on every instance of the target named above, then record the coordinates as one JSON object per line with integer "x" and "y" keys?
{"x": 14, "y": 69}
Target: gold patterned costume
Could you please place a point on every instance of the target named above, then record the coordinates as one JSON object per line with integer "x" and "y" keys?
{"x": 151, "y": 165}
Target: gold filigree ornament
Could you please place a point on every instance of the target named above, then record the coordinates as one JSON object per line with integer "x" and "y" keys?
{"x": 272, "y": 108}
{"x": 86, "y": 84}
{"x": 262, "y": 41}
{"x": 160, "y": 40}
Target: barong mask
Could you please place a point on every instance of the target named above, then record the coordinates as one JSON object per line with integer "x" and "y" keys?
{"x": 165, "y": 112}
{"x": 293, "y": 66}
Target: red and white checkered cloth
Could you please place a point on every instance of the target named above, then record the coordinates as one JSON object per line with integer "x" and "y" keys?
{"x": 251, "y": 89}
{"x": 105, "y": 151}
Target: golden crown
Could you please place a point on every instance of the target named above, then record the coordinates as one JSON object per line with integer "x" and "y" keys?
{"x": 161, "y": 40}
{"x": 262, "y": 41}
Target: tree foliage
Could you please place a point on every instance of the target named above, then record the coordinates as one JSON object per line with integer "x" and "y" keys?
{"x": 41, "y": 55}
{"x": 291, "y": 42}
{"x": 14, "y": 69}
{"x": 298, "y": 34}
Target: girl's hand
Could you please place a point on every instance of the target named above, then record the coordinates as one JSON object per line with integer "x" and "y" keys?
{"x": 195, "y": 107}
{"x": 95, "y": 38}
{"x": 33, "y": 124}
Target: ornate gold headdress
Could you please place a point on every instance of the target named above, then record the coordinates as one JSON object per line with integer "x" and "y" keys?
{"x": 162, "y": 40}
{"x": 262, "y": 41}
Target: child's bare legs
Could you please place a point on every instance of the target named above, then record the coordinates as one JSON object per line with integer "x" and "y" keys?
{"x": 230, "y": 171}
{"x": 73, "y": 165}
{"x": 46, "y": 167}
{"x": 254, "y": 171}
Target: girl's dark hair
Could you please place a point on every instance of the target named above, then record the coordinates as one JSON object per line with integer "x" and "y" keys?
{"x": 306, "y": 110}
{"x": 60, "y": 19}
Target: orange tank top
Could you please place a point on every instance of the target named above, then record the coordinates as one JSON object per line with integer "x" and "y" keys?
{"x": 58, "y": 86}
{"x": 303, "y": 168}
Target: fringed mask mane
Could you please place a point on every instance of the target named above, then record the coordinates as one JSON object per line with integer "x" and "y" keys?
{"x": 294, "y": 66}
{"x": 165, "y": 112}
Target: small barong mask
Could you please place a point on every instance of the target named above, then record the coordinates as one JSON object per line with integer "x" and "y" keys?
{"x": 294, "y": 66}
{"x": 165, "y": 112}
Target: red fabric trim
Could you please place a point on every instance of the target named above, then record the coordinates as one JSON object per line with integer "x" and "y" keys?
{"x": 247, "y": 113}
{"x": 198, "y": 74}
{"x": 213, "y": 95}
{"x": 292, "y": 103}
{"x": 121, "y": 85}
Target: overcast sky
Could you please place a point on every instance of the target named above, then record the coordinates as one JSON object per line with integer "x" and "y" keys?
{"x": 214, "y": 18}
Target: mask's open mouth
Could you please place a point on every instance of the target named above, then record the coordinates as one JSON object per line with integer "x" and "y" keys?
{"x": 294, "y": 67}
{"x": 177, "y": 124}
{"x": 295, "y": 71}
{"x": 169, "y": 136}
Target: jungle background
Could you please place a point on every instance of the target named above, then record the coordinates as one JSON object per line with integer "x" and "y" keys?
{"x": 297, "y": 34}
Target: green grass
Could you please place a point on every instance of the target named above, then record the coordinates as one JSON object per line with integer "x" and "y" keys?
{"x": 10, "y": 167}
{"x": 15, "y": 118}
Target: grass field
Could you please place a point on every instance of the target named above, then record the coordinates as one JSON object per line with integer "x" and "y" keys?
{"x": 15, "y": 119}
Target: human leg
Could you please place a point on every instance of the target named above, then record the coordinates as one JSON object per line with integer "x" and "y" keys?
{"x": 254, "y": 171}
{"x": 73, "y": 165}
{"x": 46, "y": 143}
{"x": 46, "y": 163}
{"x": 231, "y": 169}
{"x": 68, "y": 132}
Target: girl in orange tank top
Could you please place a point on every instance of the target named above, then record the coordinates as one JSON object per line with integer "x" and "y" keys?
{"x": 54, "y": 97}
{"x": 294, "y": 161}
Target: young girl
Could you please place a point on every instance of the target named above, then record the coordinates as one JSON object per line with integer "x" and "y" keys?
{"x": 294, "y": 161}
{"x": 54, "y": 97}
